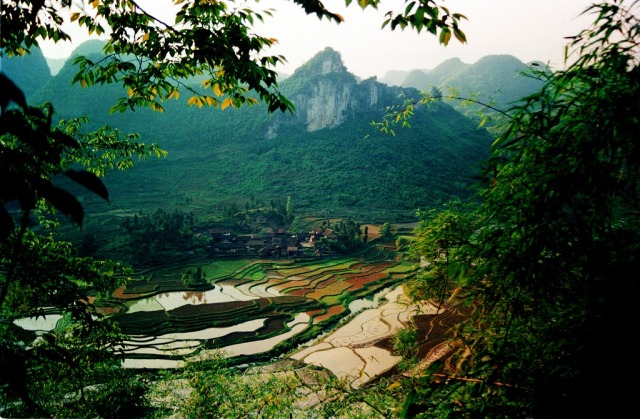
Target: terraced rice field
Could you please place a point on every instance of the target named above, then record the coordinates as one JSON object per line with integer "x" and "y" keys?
{"x": 256, "y": 308}
{"x": 350, "y": 352}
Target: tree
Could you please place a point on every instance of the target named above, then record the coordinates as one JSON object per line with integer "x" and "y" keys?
{"x": 404, "y": 343}
{"x": 385, "y": 229}
{"x": 43, "y": 275}
{"x": 195, "y": 277}
{"x": 441, "y": 245}
{"x": 347, "y": 236}
{"x": 39, "y": 271}
{"x": 546, "y": 269}
{"x": 290, "y": 212}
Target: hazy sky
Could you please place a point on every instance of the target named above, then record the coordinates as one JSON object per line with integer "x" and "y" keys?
{"x": 527, "y": 29}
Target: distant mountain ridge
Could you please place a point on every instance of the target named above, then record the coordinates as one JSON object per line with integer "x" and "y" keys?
{"x": 499, "y": 79}
{"x": 29, "y": 72}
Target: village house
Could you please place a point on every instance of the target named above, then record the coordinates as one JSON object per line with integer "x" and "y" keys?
{"x": 277, "y": 243}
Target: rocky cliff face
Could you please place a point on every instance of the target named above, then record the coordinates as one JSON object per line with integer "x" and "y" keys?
{"x": 326, "y": 94}
{"x": 325, "y": 106}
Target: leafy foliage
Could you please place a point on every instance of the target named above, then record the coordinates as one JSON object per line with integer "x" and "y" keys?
{"x": 194, "y": 277}
{"x": 404, "y": 343}
{"x": 44, "y": 375}
{"x": 42, "y": 275}
{"x": 545, "y": 262}
{"x": 441, "y": 242}
{"x": 426, "y": 15}
{"x": 69, "y": 373}
{"x": 280, "y": 390}
{"x": 32, "y": 153}
{"x": 152, "y": 58}
{"x": 347, "y": 236}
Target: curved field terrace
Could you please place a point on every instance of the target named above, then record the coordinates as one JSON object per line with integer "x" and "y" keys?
{"x": 256, "y": 309}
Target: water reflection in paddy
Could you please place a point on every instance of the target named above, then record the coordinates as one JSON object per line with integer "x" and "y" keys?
{"x": 373, "y": 301}
{"x": 171, "y": 300}
{"x": 297, "y": 325}
{"x": 188, "y": 342}
{"x": 38, "y": 323}
{"x": 215, "y": 332}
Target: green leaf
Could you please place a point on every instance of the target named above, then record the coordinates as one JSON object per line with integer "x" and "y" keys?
{"x": 89, "y": 181}
{"x": 62, "y": 200}
{"x": 65, "y": 139}
{"x": 460, "y": 36}
{"x": 10, "y": 93}
{"x": 445, "y": 36}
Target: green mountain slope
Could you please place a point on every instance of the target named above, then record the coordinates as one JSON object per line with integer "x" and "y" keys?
{"x": 327, "y": 156}
{"x": 29, "y": 72}
{"x": 495, "y": 78}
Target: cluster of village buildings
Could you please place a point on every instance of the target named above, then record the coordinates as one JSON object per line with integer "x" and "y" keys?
{"x": 277, "y": 243}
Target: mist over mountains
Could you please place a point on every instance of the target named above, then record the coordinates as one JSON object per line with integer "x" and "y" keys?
{"x": 498, "y": 79}
{"x": 327, "y": 156}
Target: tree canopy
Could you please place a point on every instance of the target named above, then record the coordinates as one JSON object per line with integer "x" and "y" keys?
{"x": 544, "y": 267}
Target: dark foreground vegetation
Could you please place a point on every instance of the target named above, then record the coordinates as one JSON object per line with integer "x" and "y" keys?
{"x": 540, "y": 267}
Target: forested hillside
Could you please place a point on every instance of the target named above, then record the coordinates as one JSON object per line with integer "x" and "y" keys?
{"x": 327, "y": 156}
{"x": 29, "y": 70}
